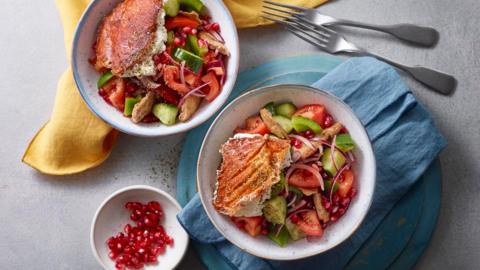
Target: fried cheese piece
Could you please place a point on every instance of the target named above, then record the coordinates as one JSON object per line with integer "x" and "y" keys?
{"x": 126, "y": 35}
{"x": 250, "y": 167}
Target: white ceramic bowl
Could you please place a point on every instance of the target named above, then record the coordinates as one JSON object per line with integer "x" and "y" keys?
{"x": 86, "y": 76}
{"x": 111, "y": 217}
{"x": 249, "y": 104}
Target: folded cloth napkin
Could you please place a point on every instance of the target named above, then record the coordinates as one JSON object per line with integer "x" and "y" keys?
{"x": 405, "y": 142}
{"x": 74, "y": 139}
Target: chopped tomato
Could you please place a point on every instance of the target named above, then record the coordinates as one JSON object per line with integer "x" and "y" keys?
{"x": 253, "y": 125}
{"x": 252, "y": 225}
{"x": 303, "y": 179}
{"x": 117, "y": 97}
{"x": 168, "y": 95}
{"x": 171, "y": 75}
{"x": 309, "y": 223}
{"x": 213, "y": 86}
{"x": 345, "y": 185}
{"x": 192, "y": 79}
{"x": 179, "y": 22}
{"x": 209, "y": 56}
{"x": 315, "y": 112}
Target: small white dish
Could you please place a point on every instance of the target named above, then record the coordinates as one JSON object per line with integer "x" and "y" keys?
{"x": 111, "y": 217}
{"x": 249, "y": 104}
{"x": 86, "y": 76}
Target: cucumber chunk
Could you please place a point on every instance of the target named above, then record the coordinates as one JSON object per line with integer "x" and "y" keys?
{"x": 284, "y": 122}
{"x": 189, "y": 5}
{"x": 294, "y": 231}
{"x": 171, "y": 7}
{"x": 167, "y": 113}
{"x": 345, "y": 142}
{"x": 129, "y": 104}
{"x": 104, "y": 79}
{"x": 193, "y": 61}
{"x": 286, "y": 109}
{"x": 281, "y": 238}
{"x": 327, "y": 163}
{"x": 301, "y": 124}
{"x": 170, "y": 37}
{"x": 279, "y": 186}
{"x": 275, "y": 210}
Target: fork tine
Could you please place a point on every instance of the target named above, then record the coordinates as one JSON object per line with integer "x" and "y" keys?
{"x": 297, "y": 23}
{"x": 284, "y": 5}
{"x": 283, "y": 10}
{"x": 316, "y": 44}
{"x": 278, "y": 15}
{"x": 294, "y": 25}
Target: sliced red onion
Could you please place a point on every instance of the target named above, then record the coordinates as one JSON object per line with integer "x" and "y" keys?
{"x": 315, "y": 173}
{"x": 296, "y": 156}
{"x": 217, "y": 36}
{"x": 303, "y": 140}
{"x": 214, "y": 63}
{"x": 279, "y": 229}
{"x": 351, "y": 157}
{"x": 195, "y": 92}
{"x": 337, "y": 175}
{"x": 298, "y": 212}
{"x": 312, "y": 159}
{"x": 171, "y": 59}
{"x": 182, "y": 73}
{"x": 297, "y": 206}
{"x": 149, "y": 83}
{"x": 292, "y": 200}
{"x": 332, "y": 150}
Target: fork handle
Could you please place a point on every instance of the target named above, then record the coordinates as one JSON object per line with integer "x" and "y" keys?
{"x": 420, "y": 35}
{"x": 441, "y": 82}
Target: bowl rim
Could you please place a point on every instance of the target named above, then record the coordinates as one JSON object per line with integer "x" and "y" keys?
{"x": 254, "y": 92}
{"x": 115, "y": 194}
{"x": 172, "y": 129}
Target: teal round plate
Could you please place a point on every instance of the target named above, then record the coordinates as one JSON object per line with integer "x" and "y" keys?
{"x": 398, "y": 241}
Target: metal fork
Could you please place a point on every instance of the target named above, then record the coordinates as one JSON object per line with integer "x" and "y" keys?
{"x": 332, "y": 42}
{"x": 420, "y": 35}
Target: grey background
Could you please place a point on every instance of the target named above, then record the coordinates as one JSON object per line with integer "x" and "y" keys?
{"x": 45, "y": 220}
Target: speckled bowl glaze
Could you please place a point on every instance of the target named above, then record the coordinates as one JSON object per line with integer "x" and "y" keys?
{"x": 112, "y": 216}
{"x": 86, "y": 76}
{"x": 249, "y": 104}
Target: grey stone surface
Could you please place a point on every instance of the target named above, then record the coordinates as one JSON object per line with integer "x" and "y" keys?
{"x": 45, "y": 220}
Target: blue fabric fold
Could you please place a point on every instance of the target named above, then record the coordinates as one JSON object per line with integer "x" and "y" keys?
{"x": 405, "y": 142}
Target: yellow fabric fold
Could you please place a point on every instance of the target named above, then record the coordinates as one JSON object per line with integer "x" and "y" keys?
{"x": 74, "y": 139}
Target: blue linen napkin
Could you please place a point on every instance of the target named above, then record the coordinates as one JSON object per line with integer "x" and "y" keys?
{"x": 405, "y": 142}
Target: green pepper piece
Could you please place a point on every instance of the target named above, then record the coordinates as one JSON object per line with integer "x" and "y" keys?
{"x": 189, "y": 5}
{"x": 281, "y": 238}
{"x": 345, "y": 142}
{"x": 129, "y": 104}
{"x": 193, "y": 61}
{"x": 301, "y": 124}
{"x": 104, "y": 79}
{"x": 192, "y": 42}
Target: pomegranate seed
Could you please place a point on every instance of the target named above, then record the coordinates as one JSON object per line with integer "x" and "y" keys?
{"x": 120, "y": 266}
{"x": 352, "y": 193}
{"x": 187, "y": 29}
{"x": 127, "y": 228}
{"x": 264, "y": 231}
{"x": 294, "y": 218}
{"x": 201, "y": 42}
{"x": 333, "y": 218}
{"x": 177, "y": 42}
{"x": 193, "y": 31}
{"x": 215, "y": 27}
{"x": 328, "y": 121}
{"x": 296, "y": 143}
{"x": 335, "y": 209}
{"x": 345, "y": 201}
{"x": 153, "y": 205}
{"x": 341, "y": 211}
{"x": 112, "y": 255}
{"x": 309, "y": 134}
{"x": 134, "y": 217}
{"x": 140, "y": 224}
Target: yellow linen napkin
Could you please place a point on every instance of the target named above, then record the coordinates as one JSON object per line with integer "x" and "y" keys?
{"x": 74, "y": 139}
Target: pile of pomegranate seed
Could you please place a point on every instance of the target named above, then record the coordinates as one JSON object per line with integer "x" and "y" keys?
{"x": 142, "y": 243}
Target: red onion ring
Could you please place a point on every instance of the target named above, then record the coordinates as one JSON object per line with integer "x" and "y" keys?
{"x": 216, "y": 35}
{"x": 182, "y": 73}
{"x": 192, "y": 92}
{"x": 292, "y": 201}
{"x": 298, "y": 212}
{"x": 297, "y": 206}
{"x": 303, "y": 140}
{"x": 337, "y": 175}
{"x": 332, "y": 150}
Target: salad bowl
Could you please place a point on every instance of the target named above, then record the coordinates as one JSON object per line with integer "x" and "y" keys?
{"x": 233, "y": 116}
{"x": 87, "y": 77}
